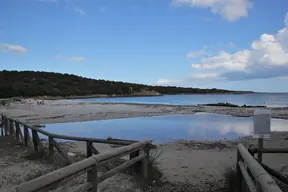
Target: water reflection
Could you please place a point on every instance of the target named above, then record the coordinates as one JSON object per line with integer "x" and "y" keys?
{"x": 213, "y": 126}
{"x": 200, "y": 126}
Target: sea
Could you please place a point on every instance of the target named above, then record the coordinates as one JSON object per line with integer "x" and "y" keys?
{"x": 267, "y": 99}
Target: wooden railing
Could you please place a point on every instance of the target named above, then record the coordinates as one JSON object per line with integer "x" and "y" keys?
{"x": 283, "y": 179}
{"x": 252, "y": 175}
{"x": 30, "y": 137}
{"x": 138, "y": 151}
{"x": 91, "y": 167}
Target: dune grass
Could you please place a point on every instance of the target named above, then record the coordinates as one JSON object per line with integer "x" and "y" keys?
{"x": 231, "y": 180}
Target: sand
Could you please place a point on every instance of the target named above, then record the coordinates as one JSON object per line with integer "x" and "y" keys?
{"x": 16, "y": 168}
{"x": 205, "y": 162}
{"x": 201, "y": 164}
{"x": 60, "y": 111}
{"x": 195, "y": 163}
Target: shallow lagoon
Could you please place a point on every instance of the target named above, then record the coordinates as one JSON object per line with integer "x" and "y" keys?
{"x": 161, "y": 129}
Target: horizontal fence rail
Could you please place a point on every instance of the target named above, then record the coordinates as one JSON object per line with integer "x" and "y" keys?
{"x": 138, "y": 151}
{"x": 276, "y": 174}
{"x": 90, "y": 166}
{"x": 252, "y": 175}
{"x": 30, "y": 137}
{"x": 268, "y": 150}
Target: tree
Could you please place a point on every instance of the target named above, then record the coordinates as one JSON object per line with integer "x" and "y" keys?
{"x": 36, "y": 83}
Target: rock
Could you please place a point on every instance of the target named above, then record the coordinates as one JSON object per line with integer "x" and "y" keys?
{"x": 120, "y": 183}
{"x": 71, "y": 154}
{"x": 282, "y": 168}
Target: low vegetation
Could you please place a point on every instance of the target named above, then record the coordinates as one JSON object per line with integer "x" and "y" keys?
{"x": 231, "y": 180}
{"x": 32, "y": 155}
{"x": 36, "y": 83}
{"x": 155, "y": 174}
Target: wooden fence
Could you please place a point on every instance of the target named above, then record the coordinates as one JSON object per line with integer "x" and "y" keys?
{"x": 252, "y": 175}
{"x": 90, "y": 166}
{"x": 30, "y": 137}
{"x": 138, "y": 151}
{"x": 271, "y": 171}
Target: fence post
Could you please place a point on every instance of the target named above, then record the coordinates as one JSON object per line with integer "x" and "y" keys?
{"x": 90, "y": 173}
{"x": 89, "y": 148}
{"x": 238, "y": 171}
{"x": 35, "y": 140}
{"x": 137, "y": 166}
{"x": 17, "y": 131}
{"x": 93, "y": 178}
{"x": 51, "y": 149}
{"x": 3, "y": 125}
{"x": 260, "y": 147}
{"x": 6, "y": 126}
{"x": 145, "y": 163}
{"x": 258, "y": 187}
{"x": 20, "y": 135}
{"x": 2, "y": 130}
{"x": 11, "y": 124}
{"x": 26, "y": 136}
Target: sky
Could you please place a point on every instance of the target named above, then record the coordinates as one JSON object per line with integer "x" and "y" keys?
{"x": 227, "y": 44}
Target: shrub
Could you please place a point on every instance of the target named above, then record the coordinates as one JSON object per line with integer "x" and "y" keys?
{"x": 231, "y": 180}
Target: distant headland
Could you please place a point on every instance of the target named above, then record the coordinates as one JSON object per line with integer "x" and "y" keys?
{"x": 57, "y": 85}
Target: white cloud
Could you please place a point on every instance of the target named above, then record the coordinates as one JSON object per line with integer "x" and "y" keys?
{"x": 79, "y": 10}
{"x": 194, "y": 54}
{"x": 208, "y": 51}
{"x": 286, "y": 20}
{"x": 15, "y": 49}
{"x": 231, "y": 45}
{"x": 234, "y": 62}
{"x": 204, "y": 76}
{"x": 165, "y": 81}
{"x": 196, "y": 66}
{"x": 268, "y": 50}
{"x": 231, "y": 10}
{"x": 266, "y": 58}
{"x": 76, "y": 59}
{"x": 241, "y": 128}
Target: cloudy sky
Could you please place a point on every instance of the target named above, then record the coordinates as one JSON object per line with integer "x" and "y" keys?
{"x": 230, "y": 44}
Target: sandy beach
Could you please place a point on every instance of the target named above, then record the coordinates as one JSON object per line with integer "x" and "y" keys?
{"x": 61, "y": 111}
{"x": 198, "y": 164}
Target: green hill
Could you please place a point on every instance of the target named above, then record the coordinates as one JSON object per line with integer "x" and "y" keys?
{"x": 35, "y": 83}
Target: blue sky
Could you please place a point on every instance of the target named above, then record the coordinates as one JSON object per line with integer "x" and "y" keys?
{"x": 230, "y": 44}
